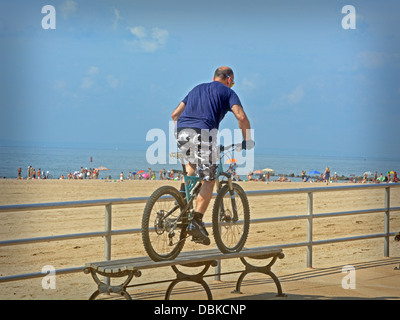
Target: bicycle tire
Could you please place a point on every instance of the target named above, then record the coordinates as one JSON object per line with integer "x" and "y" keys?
{"x": 151, "y": 237}
{"x": 228, "y": 234}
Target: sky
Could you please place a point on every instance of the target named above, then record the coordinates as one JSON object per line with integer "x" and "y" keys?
{"x": 107, "y": 72}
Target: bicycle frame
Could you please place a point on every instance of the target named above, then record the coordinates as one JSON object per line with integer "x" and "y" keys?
{"x": 191, "y": 182}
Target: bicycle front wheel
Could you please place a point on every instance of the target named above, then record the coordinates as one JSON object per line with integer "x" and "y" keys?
{"x": 162, "y": 234}
{"x": 231, "y": 219}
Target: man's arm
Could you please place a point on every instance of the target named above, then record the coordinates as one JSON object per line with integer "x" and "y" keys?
{"x": 243, "y": 121}
{"x": 178, "y": 111}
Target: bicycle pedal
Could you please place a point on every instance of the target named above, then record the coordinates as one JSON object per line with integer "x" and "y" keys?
{"x": 196, "y": 240}
{"x": 201, "y": 240}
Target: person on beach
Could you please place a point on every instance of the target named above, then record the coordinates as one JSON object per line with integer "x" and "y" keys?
{"x": 19, "y": 173}
{"x": 327, "y": 175}
{"x": 197, "y": 120}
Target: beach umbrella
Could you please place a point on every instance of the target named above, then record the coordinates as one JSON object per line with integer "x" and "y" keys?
{"x": 391, "y": 172}
{"x": 141, "y": 171}
{"x": 102, "y": 168}
{"x": 268, "y": 170}
{"x": 145, "y": 175}
{"x": 231, "y": 161}
{"x": 314, "y": 172}
{"x": 259, "y": 172}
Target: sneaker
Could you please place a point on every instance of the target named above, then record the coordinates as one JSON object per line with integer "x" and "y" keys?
{"x": 204, "y": 228}
{"x": 198, "y": 232}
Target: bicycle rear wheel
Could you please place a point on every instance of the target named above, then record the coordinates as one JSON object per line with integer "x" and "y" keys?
{"x": 230, "y": 234}
{"x": 162, "y": 235}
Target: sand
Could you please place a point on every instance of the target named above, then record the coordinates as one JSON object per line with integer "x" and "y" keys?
{"x": 32, "y": 258}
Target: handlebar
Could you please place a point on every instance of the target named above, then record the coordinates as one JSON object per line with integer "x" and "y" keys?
{"x": 237, "y": 146}
{"x": 245, "y": 145}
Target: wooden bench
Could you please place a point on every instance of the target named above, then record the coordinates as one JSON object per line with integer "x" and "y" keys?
{"x": 133, "y": 267}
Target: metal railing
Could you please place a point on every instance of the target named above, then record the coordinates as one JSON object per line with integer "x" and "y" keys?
{"x": 108, "y": 232}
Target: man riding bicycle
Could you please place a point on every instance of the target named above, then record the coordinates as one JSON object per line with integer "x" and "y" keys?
{"x": 197, "y": 120}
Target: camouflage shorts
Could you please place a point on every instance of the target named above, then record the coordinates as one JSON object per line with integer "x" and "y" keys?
{"x": 201, "y": 150}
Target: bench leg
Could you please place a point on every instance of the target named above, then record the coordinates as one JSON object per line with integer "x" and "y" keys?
{"x": 197, "y": 278}
{"x": 260, "y": 269}
{"x": 106, "y": 288}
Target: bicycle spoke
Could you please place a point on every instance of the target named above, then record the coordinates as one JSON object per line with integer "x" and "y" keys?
{"x": 161, "y": 234}
{"x": 231, "y": 234}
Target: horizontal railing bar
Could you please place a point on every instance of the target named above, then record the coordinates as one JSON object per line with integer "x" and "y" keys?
{"x": 319, "y": 215}
{"x": 52, "y": 238}
{"x": 71, "y": 204}
{"x": 91, "y": 203}
{"x": 277, "y": 219}
{"x": 348, "y": 213}
{"x": 34, "y": 275}
{"x": 322, "y": 189}
{"x": 369, "y": 236}
{"x": 125, "y": 231}
{"x": 209, "y": 224}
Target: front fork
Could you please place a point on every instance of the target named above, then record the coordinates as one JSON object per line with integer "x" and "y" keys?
{"x": 231, "y": 193}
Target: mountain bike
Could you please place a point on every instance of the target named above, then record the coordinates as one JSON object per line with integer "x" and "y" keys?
{"x": 168, "y": 212}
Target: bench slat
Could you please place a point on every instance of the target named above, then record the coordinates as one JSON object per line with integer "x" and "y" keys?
{"x": 189, "y": 257}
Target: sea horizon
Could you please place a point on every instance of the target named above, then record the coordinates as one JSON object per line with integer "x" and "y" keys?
{"x": 62, "y": 160}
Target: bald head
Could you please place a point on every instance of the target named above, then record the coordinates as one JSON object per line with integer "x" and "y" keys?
{"x": 223, "y": 73}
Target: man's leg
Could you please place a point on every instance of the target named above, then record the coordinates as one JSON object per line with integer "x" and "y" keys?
{"x": 191, "y": 169}
{"x": 198, "y": 230}
{"x": 204, "y": 197}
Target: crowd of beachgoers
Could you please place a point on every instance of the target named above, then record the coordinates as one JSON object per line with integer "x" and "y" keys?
{"x": 265, "y": 175}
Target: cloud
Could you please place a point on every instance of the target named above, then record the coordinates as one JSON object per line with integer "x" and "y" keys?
{"x": 139, "y": 32}
{"x": 88, "y": 80}
{"x": 146, "y": 42}
{"x": 93, "y": 71}
{"x": 247, "y": 84}
{"x": 112, "y": 81}
{"x": 68, "y": 8}
{"x": 87, "y": 83}
{"x": 116, "y": 19}
{"x": 160, "y": 35}
{"x": 288, "y": 100}
{"x": 295, "y": 96}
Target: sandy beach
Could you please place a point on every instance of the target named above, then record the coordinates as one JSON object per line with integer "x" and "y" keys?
{"x": 75, "y": 253}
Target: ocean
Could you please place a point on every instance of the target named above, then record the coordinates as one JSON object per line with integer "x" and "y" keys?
{"x": 61, "y": 161}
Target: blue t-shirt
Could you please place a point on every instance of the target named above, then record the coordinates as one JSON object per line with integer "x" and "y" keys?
{"x": 206, "y": 106}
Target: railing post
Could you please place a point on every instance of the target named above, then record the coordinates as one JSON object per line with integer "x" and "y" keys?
{"x": 217, "y": 272}
{"x": 107, "y": 238}
{"x": 387, "y": 220}
{"x": 310, "y": 209}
